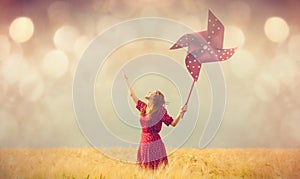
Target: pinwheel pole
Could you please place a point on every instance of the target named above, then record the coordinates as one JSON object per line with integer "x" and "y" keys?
{"x": 189, "y": 95}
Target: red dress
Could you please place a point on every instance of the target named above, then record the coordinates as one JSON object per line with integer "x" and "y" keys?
{"x": 152, "y": 152}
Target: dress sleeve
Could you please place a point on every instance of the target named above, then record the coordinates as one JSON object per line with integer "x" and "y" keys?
{"x": 167, "y": 119}
{"x": 140, "y": 105}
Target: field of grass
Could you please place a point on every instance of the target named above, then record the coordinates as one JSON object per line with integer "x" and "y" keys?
{"x": 183, "y": 163}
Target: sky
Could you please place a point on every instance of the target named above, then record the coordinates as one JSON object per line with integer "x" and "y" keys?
{"x": 42, "y": 46}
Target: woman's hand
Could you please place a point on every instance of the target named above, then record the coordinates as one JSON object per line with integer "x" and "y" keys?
{"x": 183, "y": 110}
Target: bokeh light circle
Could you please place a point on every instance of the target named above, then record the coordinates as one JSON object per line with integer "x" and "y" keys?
{"x": 55, "y": 64}
{"x": 276, "y": 29}
{"x": 21, "y": 29}
{"x": 234, "y": 37}
{"x": 65, "y": 38}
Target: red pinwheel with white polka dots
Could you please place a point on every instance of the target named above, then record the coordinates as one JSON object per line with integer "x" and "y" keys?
{"x": 204, "y": 47}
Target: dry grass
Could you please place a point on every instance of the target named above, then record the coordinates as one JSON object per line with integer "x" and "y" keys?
{"x": 184, "y": 163}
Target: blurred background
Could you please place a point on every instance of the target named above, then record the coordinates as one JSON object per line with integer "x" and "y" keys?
{"x": 41, "y": 43}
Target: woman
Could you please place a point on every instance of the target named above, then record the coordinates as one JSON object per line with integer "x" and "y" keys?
{"x": 152, "y": 152}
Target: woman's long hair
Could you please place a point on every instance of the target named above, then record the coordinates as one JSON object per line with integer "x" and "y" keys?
{"x": 157, "y": 101}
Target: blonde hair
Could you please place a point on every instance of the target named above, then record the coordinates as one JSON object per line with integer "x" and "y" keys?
{"x": 155, "y": 104}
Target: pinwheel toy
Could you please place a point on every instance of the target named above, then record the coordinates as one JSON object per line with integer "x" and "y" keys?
{"x": 204, "y": 47}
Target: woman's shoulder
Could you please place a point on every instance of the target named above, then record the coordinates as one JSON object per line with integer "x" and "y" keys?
{"x": 140, "y": 102}
{"x": 140, "y": 105}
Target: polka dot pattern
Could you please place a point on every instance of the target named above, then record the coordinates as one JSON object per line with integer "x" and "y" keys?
{"x": 184, "y": 41}
{"x": 205, "y": 46}
{"x": 193, "y": 66}
{"x": 215, "y": 31}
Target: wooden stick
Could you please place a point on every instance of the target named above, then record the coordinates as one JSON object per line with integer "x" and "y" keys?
{"x": 190, "y": 92}
{"x": 187, "y": 100}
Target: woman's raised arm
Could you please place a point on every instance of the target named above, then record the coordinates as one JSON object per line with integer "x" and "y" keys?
{"x": 133, "y": 96}
{"x": 131, "y": 92}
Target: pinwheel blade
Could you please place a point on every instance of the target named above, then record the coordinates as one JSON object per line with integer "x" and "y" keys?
{"x": 215, "y": 31}
{"x": 184, "y": 41}
{"x": 193, "y": 66}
